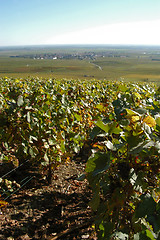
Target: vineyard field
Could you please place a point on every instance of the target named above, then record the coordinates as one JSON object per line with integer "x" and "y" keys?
{"x": 111, "y": 127}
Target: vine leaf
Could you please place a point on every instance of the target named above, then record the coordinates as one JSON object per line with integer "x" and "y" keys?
{"x": 98, "y": 163}
{"x": 146, "y": 207}
{"x": 150, "y": 121}
{"x": 20, "y": 101}
{"x": 104, "y": 127}
{"x": 3, "y": 203}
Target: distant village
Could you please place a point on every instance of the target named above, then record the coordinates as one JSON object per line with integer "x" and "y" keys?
{"x": 54, "y": 56}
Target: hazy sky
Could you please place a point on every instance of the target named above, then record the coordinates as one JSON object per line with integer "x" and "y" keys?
{"x": 30, "y": 22}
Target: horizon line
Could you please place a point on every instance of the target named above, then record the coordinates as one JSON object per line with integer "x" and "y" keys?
{"x": 81, "y": 44}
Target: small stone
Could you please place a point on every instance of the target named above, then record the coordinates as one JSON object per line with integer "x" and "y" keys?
{"x": 54, "y": 234}
{"x": 10, "y": 238}
{"x": 85, "y": 236}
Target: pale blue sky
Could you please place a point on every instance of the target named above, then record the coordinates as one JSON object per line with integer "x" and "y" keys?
{"x": 31, "y": 22}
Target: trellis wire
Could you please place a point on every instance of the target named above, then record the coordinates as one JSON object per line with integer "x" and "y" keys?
{"x": 13, "y": 188}
{"x": 19, "y": 188}
{"x": 6, "y": 174}
{"x": 28, "y": 179}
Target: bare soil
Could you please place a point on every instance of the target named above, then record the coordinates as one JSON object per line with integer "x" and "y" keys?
{"x": 56, "y": 211}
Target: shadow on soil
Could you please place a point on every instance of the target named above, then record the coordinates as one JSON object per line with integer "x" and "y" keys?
{"x": 44, "y": 214}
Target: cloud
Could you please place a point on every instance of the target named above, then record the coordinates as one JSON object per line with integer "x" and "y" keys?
{"x": 144, "y": 32}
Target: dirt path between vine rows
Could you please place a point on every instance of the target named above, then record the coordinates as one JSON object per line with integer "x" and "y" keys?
{"x": 57, "y": 211}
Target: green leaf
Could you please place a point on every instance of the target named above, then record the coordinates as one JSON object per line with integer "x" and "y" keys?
{"x": 20, "y": 101}
{"x": 121, "y": 236}
{"x": 158, "y": 238}
{"x": 98, "y": 163}
{"x": 46, "y": 145}
{"x": 31, "y": 152}
{"x": 137, "y": 95}
{"x": 81, "y": 177}
{"x": 154, "y": 220}
{"x": 146, "y": 235}
{"x": 124, "y": 122}
{"x": 137, "y": 180}
{"x": 133, "y": 141}
{"x": 76, "y": 149}
{"x": 132, "y": 176}
{"x": 158, "y": 205}
{"x": 51, "y": 141}
{"x": 141, "y": 110}
{"x": 158, "y": 121}
{"x": 106, "y": 229}
{"x": 32, "y": 138}
{"x": 95, "y": 201}
{"x": 132, "y": 113}
{"x": 114, "y": 128}
{"x": 46, "y": 158}
{"x": 104, "y": 127}
{"x": 136, "y": 236}
{"x": 63, "y": 146}
{"x": 122, "y": 88}
{"x": 94, "y": 132}
{"x": 141, "y": 236}
{"x": 140, "y": 185}
{"x": 110, "y": 145}
{"x": 146, "y": 207}
{"x": 141, "y": 146}
{"x": 28, "y": 117}
{"x": 78, "y": 117}
{"x": 25, "y": 149}
{"x": 99, "y": 106}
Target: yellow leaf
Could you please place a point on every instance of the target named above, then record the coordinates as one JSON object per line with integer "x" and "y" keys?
{"x": 133, "y": 116}
{"x": 150, "y": 121}
{"x": 134, "y": 119}
{"x": 98, "y": 146}
{"x": 68, "y": 159}
{"x": 3, "y": 203}
{"x": 137, "y": 95}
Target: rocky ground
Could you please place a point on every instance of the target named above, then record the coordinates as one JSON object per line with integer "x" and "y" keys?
{"x": 56, "y": 211}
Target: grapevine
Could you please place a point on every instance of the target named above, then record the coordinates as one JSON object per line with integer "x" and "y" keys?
{"x": 47, "y": 121}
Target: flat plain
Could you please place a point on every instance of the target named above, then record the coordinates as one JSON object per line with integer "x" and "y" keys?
{"x": 128, "y": 63}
